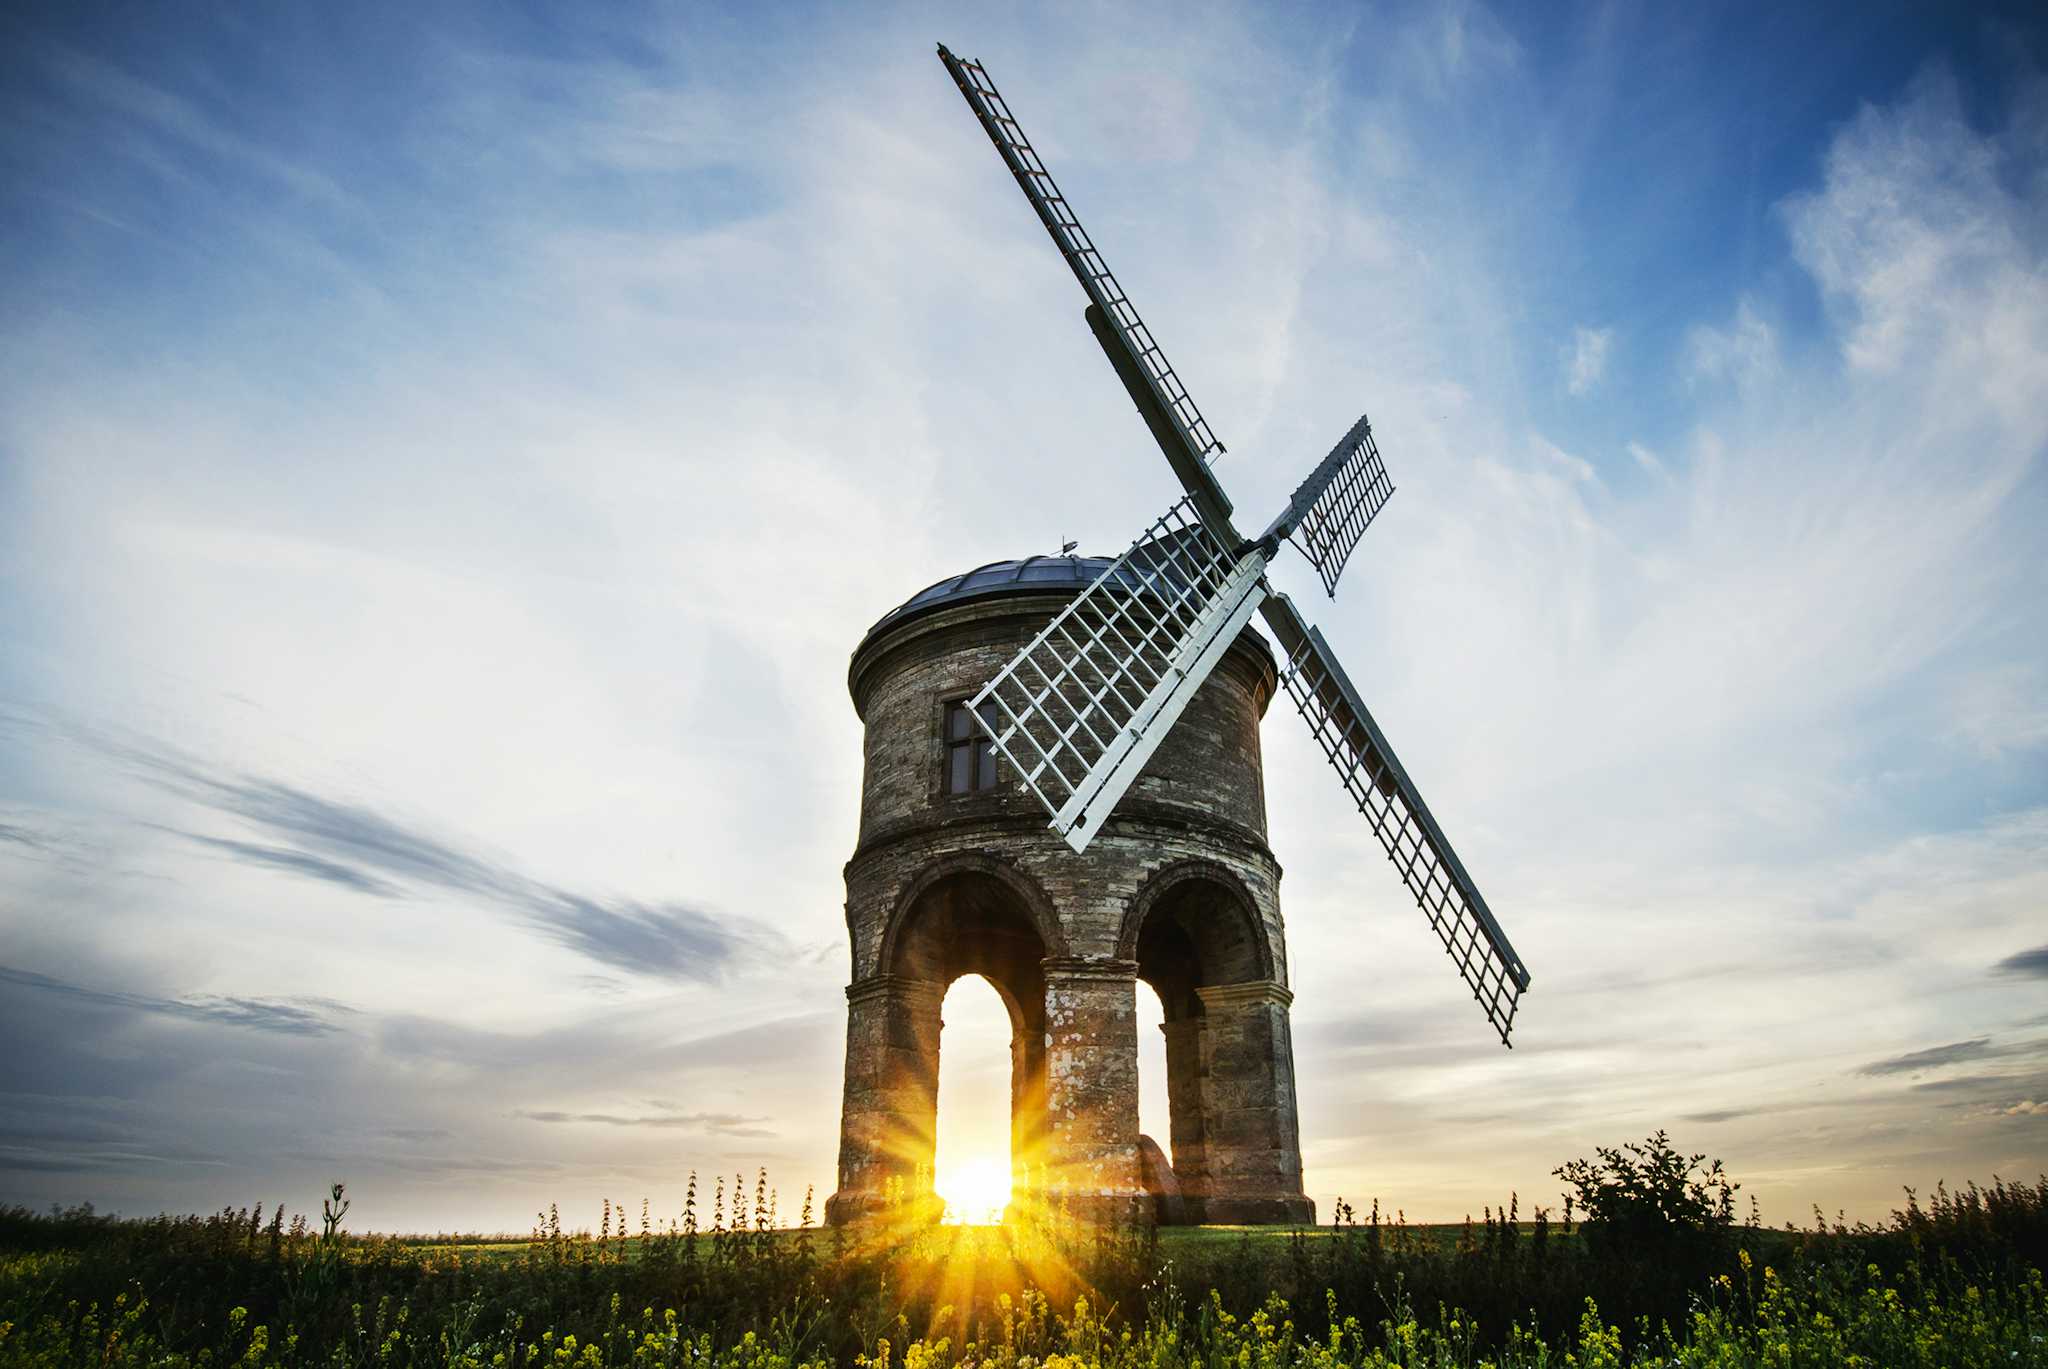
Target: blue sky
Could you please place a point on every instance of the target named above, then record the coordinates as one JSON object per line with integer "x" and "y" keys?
{"x": 447, "y": 455}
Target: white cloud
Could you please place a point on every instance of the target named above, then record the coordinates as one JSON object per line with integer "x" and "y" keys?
{"x": 1744, "y": 352}
{"x": 2000, "y": 710}
{"x": 1929, "y": 252}
{"x": 1586, "y": 359}
{"x": 1580, "y": 469}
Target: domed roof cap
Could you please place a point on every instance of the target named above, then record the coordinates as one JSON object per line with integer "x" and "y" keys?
{"x": 1064, "y": 576}
{"x": 1032, "y": 575}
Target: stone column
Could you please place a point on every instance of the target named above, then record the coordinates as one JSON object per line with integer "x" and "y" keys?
{"x": 1252, "y": 1135}
{"x": 1092, "y": 1087}
{"x": 1187, "y": 1084}
{"x": 1027, "y": 1104}
{"x": 890, "y": 1119}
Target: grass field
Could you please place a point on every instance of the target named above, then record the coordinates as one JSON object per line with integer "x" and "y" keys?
{"x": 1172, "y": 1240}
{"x": 1953, "y": 1283}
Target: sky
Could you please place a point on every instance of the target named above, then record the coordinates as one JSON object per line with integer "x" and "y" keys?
{"x": 448, "y": 454}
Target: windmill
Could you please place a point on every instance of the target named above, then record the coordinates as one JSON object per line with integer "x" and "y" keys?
{"x": 1080, "y": 709}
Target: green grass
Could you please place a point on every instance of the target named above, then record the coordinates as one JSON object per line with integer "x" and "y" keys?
{"x": 1951, "y": 1284}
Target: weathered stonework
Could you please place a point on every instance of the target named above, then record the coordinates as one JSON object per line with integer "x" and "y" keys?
{"x": 1178, "y": 889}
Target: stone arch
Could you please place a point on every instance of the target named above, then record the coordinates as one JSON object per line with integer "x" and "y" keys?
{"x": 1196, "y": 936}
{"x": 972, "y": 913}
{"x": 1030, "y": 897}
{"x": 1199, "y": 914}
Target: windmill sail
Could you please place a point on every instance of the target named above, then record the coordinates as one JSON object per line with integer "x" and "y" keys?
{"x": 1331, "y": 509}
{"x": 1077, "y": 713}
{"x": 1134, "y": 352}
{"x": 1080, "y": 709}
{"x": 1355, "y": 746}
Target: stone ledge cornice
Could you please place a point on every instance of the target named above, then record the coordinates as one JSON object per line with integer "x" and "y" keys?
{"x": 1141, "y": 820}
{"x": 895, "y": 986}
{"x": 1245, "y": 995}
{"x": 1080, "y": 967}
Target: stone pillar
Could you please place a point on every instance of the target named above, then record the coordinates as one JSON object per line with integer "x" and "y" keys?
{"x": 1187, "y": 1082}
{"x": 1252, "y": 1136}
{"x": 1028, "y": 1123}
{"x": 889, "y": 1122}
{"x": 1091, "y": 1027}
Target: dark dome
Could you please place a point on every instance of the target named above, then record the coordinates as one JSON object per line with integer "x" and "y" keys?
{"x": 1065, "y": 576}
{"x": 1032, "y": 575}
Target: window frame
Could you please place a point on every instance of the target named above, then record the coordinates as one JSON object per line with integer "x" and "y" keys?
{"x": 983, "y": 767}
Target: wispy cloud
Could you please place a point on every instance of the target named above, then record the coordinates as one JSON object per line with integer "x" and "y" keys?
{"x": 1745, "y": 351}
{"x": 170, "y": 116}
{"x": 670, "y": 940}
{"x": 1720, "y": 1115}
{"x": 286, "y": 1016}
{"x": 298, "y": 863}
{"x": 2032, "y": 964}
{"x": 716, "y": 1123}
{"x": 1586, "y": 359}
{"x": 1934, "y": 1057}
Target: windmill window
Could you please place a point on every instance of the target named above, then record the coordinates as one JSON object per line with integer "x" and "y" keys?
{"x": 970, "y": 755}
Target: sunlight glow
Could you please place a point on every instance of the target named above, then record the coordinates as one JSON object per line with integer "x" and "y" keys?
{"x": 1152, "y": 1112}
{"x": 976, "y": 1191}
{"x": 972, "y": 1156}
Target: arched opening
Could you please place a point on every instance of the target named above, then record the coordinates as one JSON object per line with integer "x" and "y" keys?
{"x": 1197, "y": 933}
{"x": 971, "y": 1160}
{"x": 972, "y": 938}
{"x": 1194, "y": 931}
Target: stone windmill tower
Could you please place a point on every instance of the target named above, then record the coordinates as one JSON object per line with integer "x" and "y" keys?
{"x": 1121, "y": 698}
{"x": 956, "y": 873}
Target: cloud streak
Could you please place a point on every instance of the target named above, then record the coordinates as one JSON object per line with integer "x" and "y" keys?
{"x": 715, "y": 1123}
{"x": 359, "y": 849}
{"x": 1934, "y": 1057}
{"x": 285, "y": 1016}
{"x": 2031, "y": 964}
{"x": 298, "y": 863}
{"x": 1586, "y": 359}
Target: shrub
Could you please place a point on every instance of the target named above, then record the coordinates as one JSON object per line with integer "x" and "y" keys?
{"x": 1649, "y": 1200}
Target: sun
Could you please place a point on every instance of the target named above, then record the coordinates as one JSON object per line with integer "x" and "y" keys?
{"x": 976, "y": 1190}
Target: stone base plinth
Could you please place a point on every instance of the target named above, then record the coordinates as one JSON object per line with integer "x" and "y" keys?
{"x": 846, "y": 1209}
{"x": 1100, "y": 1209}
{"x": 1294, "y": 1210}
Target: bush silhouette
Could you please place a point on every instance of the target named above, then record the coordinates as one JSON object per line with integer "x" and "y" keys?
{"x": 1649, "y": 1199}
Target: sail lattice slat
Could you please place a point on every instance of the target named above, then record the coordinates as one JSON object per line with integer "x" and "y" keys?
{"x": 1365, "y": 764}
{"x": 1079, "y": 250}
{"x": 1077, "y": 711}
{"x": 1331, "y": 509}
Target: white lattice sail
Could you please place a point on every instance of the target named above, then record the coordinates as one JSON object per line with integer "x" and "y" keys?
{"x": 1081, "y": 708}
{"x": 1331, "y": 509}
{"x": 1366, "y": 766}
